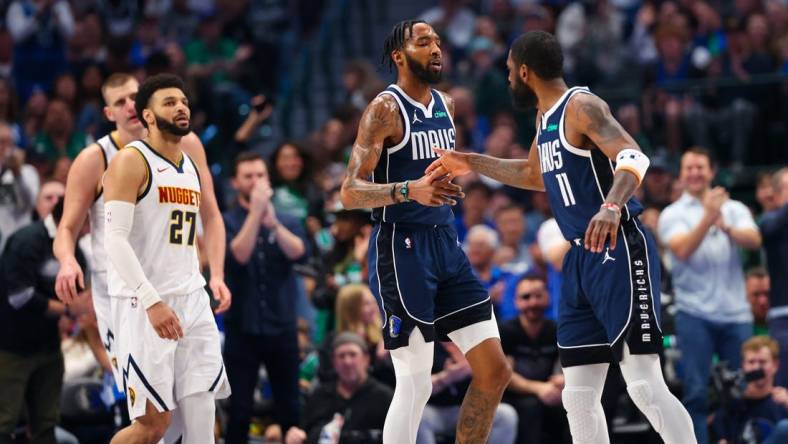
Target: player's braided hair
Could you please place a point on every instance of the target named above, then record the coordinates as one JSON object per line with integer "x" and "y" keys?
{"x": 396, "y": 40}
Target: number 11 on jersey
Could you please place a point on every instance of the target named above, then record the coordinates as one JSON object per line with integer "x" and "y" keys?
{"x": 566, "y": 190}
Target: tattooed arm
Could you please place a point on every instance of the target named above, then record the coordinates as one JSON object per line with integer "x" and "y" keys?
{"x": 381, "y": 122}
{"x": 520, "y": 173}
{"x": 515, "y": 172}
{"x": 589, "y": 118}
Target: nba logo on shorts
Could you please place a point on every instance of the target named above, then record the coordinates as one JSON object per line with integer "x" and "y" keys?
{"x": 134, "y": 302}
{"x": 395, "y": 324}
{"x": 132, "y": 396}
{"x": 408, "y": 243}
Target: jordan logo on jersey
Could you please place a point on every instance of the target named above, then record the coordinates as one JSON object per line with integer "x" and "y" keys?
{"x": 422, "y": 142}
{"x": 415, "y": 118}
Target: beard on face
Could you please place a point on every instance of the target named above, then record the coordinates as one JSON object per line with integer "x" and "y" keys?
{"x": 534, "y": 313}
{"x": 523, "y": 97}
{"x": 166, "y": 126}
{"x": 423, "y": 72}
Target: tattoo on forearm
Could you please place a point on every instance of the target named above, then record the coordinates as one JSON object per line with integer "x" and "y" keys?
{"x": 366, "y": 194}
{"x": 624, "y": 186}
{"x": 380, "y": 117}
{"x": 476, "y": 416}
{"x": 508, "y": 171}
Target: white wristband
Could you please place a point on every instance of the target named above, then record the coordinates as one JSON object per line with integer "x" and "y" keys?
{"x": 147, "y": 295}
{"x": 634, "y": 161}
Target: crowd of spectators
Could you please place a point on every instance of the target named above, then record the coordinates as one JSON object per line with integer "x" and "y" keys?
{"x": 699, "y": 84}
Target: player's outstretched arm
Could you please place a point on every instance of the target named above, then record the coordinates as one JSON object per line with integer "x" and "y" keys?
{"x": 591, "y": 117}
{"x": 380, "y": 122}
{"x": 213, "y": 223}
{"x": 519, "y": 173}
{"x": 126, "y": 178}
{"x": 81, "y": 186}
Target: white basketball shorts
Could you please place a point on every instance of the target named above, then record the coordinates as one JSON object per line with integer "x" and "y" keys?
{"x": 164, "y": 371}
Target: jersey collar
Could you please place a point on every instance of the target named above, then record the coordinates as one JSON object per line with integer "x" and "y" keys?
{"x": 426, "y": 110}
{"x": 558, "y": 102}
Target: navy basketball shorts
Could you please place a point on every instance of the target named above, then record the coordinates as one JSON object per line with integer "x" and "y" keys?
{"x": 421, "y": 278}
{"x": 610, "y": 297}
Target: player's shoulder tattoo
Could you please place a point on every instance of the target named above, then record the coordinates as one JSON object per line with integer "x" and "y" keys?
{"x": 592, "y": 115}
{"x": 379, "y": 121}
{"x": 383, "y": 109}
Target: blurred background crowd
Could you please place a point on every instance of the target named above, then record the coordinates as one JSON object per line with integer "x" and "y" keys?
{"x": 277, "y": 89}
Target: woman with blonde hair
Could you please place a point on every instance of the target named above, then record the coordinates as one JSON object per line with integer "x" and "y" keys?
{"x": 357, "y": 311}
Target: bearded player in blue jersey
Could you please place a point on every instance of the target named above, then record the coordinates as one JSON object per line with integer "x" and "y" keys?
{"x": 590, "y": 168}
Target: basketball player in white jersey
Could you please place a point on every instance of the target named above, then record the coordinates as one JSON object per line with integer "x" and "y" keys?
{"x": 84, "y": 197}
{"x": 172, "y": 357}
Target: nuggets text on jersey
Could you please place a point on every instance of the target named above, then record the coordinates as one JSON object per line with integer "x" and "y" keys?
{"x": 179, "y": 195}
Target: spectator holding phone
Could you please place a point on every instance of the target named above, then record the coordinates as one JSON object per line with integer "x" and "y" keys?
{"x": 260, "y": 110}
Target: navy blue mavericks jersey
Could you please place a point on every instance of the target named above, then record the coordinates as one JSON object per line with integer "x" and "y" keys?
{"x": 576, "y": 180}
{"x": 425, "y": 128}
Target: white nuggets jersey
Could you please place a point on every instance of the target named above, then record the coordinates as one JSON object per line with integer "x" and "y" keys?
{"x": 164, "y": 231}
{"x": 109, "y": 147}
